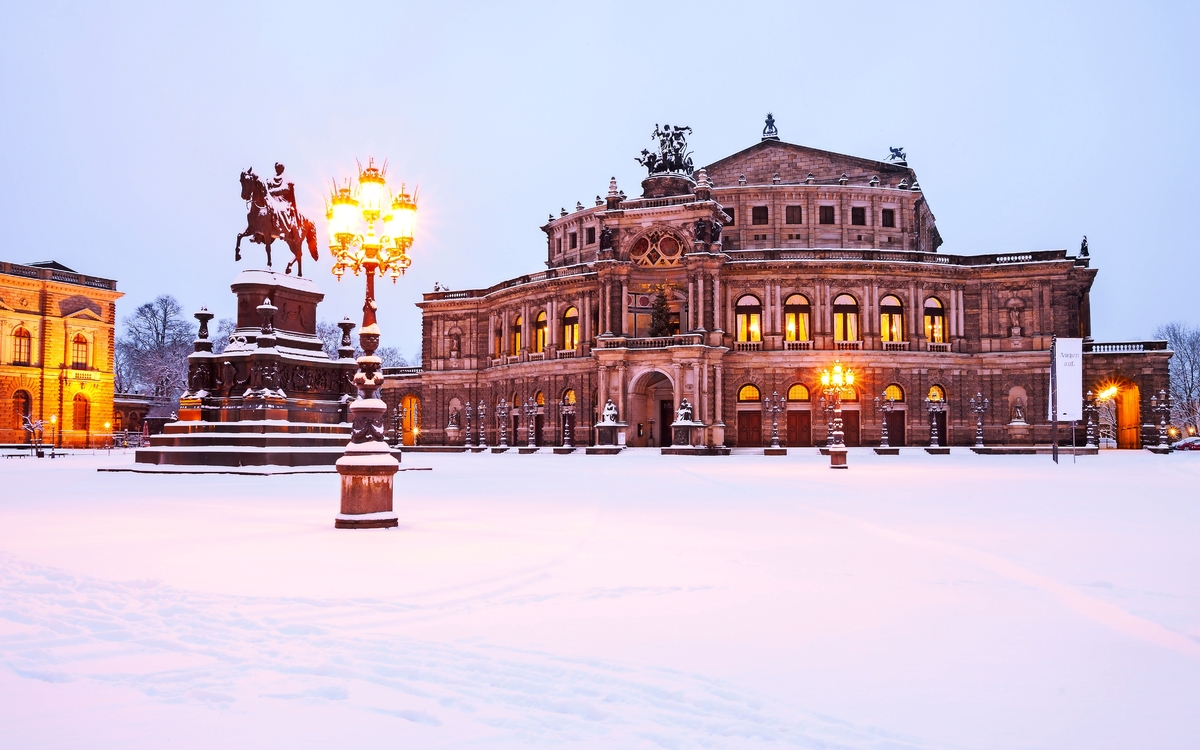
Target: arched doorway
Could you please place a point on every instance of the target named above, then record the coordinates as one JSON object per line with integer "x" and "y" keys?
{"x": 1119, "y": 411}
{"x": 22, "y": 410}
{"x": 81, "y": 420}
{"x": 651, "y": 409}
{"x": 896, "y": 417}
{"x": 410, "y": 426}
{"x": 799, "y": 416}
{"x": 749, "y": 416}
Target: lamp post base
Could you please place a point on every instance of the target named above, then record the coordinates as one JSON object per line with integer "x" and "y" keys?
{"x": 366, "y": 491}
{"x": 837, "y": 458}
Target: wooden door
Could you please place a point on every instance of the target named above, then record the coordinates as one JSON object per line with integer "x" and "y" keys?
{"x": 749, "y": 424}
{"x": 799, "y": 429}
{"x": 666, "y": 415}
{"x": 538, "y": 424}
{"x": 850, "y": 428}
{"x": 940, "y": 421}
{"x": 895, "y": 425}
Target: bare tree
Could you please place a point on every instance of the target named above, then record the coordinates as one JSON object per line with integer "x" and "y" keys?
{"x": 391, "y": 356}
{"x": 1184, "y": 341}
{"x": 225, "y": 329}
{"x": 331, "y": 339}
{"x": 154, "y": 347}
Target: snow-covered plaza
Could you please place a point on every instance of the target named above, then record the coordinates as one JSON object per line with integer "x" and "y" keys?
{"x": 631, "y": 601}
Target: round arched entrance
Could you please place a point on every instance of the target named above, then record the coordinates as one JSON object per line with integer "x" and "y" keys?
{"x": 651, "y": 409}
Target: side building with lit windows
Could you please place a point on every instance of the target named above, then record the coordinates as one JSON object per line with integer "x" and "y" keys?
{"x": 766, "y": 267}
{"x": 57, "y": 330}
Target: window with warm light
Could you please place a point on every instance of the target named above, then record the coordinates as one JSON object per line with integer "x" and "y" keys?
{"x": 891, "y": 319}
{"x": 796, "y": 312}
{"x": 798, "y": 392}
{"x": 79, "y": 352}
{"x": 569, "y": 396}
{"x": 22, "y": 346}
{"x": 82, "y": 417}
{"x": 936, "y": 393}
{"x": 22, "y": 408}
{"x": 935, "y": 321}
{"x": 748, "y": 313}
{"x": 748, "y": 393}
{"x": 570, "y": 325}
{"x": 514, "y": 341}
{"x": 845, "y": 318}
{"x": 498, "y": 343}
{"x": 894, "y": 392}
{"x": 540, "y": 399}
{"x": 539, "y": 333}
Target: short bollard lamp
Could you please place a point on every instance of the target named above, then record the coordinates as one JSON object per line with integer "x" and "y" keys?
{"x": 833, "y": 382}
{"x": 368, "y": 467}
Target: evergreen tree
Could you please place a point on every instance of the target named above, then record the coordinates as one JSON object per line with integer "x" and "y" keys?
{"x": 660, "y": 316}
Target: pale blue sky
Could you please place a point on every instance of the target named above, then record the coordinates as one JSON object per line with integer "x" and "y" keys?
{"x": 124, "y": 127}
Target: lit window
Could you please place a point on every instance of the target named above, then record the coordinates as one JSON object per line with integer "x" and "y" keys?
{"x": 83, "y": 414}
{"x": 515, "y": 339}
{"x": 891, "y": 319}
{"x": 569, "y": 396}
{"x": 539, "y": 333}
{"x": 748, "y": 393}
{"x": 758, "y": 215}
{"x": 935, "y": 321}
{"x": 796, "y": 311}
{"x": 793, "y": 215}
{"x": 845, "y": 318}
{"x": 894, "y": 392}
{"x": 571, "y": 328}
{"x": 936, "y": 393}
{"x": 749, "y": 318}
{"x": 797, "y": 392}
{"x": 540, "y": 399}
{"x": 826, "y": 214}
{"x": 858, "y": 216}
{"x": 79, "y": 352}
{"x": 21, "y": 346}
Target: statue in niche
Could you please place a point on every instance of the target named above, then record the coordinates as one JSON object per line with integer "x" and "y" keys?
{"x": 609, "y": 415}
{"x": 1014, "y": 317}
{"x": 1018, "y": 411}
{"x": 606, "y": 238}
{"x": 453, "y": 418}
{"x": 700, "y": 230}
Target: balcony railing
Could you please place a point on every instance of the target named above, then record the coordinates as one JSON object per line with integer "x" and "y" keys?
{"x": 747, "y": 346}
{"x": 847, "y": 346}
{"x": 797, "y": 346}
{"x": 564, "y": 354}
{"x": 1122, "y": 347}
{"x": 933, "y": 346}
{"x": 537, "y": 356}
{"x": 512, "y": 359}
{"x": 403, "y": 372}
{"x": 895, "y": 346}
{"x": 657, "y": 342}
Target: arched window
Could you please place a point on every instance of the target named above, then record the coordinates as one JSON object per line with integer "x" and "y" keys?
{"x": 118, "y": 422}
{"x": 22, "y": 408}
{"x": 21, "y": 346}
{"x": 845, "y": 318}
{"x": 937, "y": 393}
{"x": 79, "y": 352}
{"x": 539, "y": 332}
{"x": 540, "y": 399}
{"x": 83, "y": 414}
{"x": 894, "y": 392}
{"x": 849, "y": 393}
{"x": 748, "y": 393}
{"x": 498, "y": 341}
{"x": 570, "y": 323}
{"x": 891, "y": 319}
{"x": 935, "y": 321}
{"x": 798, "y": 392}
{"x": 514, "y": 346}
{"x": 749, "y": 318}
{"x": 796, "y": 311}
{"x": 569, "y": 396}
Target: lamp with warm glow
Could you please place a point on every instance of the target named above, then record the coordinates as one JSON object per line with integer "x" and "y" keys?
{"x": 834, "y": 381}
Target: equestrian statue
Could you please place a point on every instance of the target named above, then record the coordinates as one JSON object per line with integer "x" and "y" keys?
{"x": 273, "y": 215}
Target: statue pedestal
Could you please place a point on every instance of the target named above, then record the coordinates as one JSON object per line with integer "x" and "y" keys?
{"x": 367, "y": 470}
{"x": 837, "y": 457}
{"x": 453, "y": 433}
{"x": 610, "y": 439}
{"x": 1018, "y": 433}
{"x": 687, "y": 434}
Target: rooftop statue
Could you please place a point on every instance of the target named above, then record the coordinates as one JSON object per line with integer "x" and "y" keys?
{"x": 898, "y": 155}
{"x": 770, "y": 132}
{"x": 273, "y": 215}
{"x": 672, "y": 155}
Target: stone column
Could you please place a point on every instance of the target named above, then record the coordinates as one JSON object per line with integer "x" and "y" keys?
{"x": 718, "y": 397}
{"x": 624, "y": 308}
{"x": 691, "y": 321}
{"x": 717, "y": 311}
{"x": 621, "y": 392}
{"x": 677, "y": 377}
{"x": 602, "y": 387}
{"x": 504, "y": 334}
{"x": 700, "y": 300}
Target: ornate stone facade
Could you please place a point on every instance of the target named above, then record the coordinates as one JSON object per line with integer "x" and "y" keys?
{"x": 775, "y": 262}
{"x": 56, "y": 352}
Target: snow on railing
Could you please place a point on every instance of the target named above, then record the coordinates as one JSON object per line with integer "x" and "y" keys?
{"x": 657, "y": 342}
{"x": 1121, "y": 347}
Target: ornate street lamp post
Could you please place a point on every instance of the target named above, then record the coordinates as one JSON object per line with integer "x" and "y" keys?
{"x": 566, "y": 411}
{"x": 934, "y": 408}
{"x": 482, "y": 424}
{"x": 1089, "y": 408}
{"x": 368, "y": 468}
{"x": 502, "y": 417}
{"x": 832, "y": 383}
{"x": 529, "y": 410}
{"x": 1161, "y": 405}
{"x": 827, "y": 411}
{"x": 467, "y": 436}
{"x": 774, "y": 405}
{"x": 979, "y": 405}
{"x": 885, "y": 407}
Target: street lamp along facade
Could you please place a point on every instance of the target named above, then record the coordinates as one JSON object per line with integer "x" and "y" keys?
{"x": 368, "y": 468}
{"x": 833, "y": 382}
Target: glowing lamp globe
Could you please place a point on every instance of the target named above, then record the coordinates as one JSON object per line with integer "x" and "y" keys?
{"x": 372, "y": 192}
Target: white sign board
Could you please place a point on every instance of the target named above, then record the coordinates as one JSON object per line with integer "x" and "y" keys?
{"x": 1068, "y": 361}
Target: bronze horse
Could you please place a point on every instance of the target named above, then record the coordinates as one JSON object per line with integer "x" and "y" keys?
{"x": 273, "y": 216}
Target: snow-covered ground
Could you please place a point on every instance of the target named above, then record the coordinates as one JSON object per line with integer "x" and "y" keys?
{"x": 631, "y": 601}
